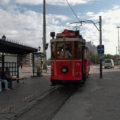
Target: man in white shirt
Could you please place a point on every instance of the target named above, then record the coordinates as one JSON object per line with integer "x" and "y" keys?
{"x": 68, "y": 53}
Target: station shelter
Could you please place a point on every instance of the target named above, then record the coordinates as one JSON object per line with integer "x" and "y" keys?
{"x": 17, "y": 50}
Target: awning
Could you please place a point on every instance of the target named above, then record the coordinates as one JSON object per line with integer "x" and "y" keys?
{"x": 14, "y": 48}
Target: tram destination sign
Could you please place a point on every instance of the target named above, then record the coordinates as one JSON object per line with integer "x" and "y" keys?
{"x": 100, "y": 49}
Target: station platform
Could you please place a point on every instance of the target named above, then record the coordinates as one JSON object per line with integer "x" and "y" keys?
{"x": 98, "y": 99}
{"x": 18, "y": 99}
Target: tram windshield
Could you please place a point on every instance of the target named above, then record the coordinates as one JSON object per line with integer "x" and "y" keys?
{"x": 60, "y": 50}
{"x": 66, "y": 50}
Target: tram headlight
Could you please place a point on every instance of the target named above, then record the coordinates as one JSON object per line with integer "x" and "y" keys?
{"x": 64, "y": 69}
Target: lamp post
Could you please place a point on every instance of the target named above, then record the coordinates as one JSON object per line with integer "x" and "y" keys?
{"x": 44, "y": 32}
{"x": 39, "y": 48}
{"x": 116, "y": 50}
{"x": 3, "y": 56}
{"x": 100, "y": 35}
{"x": 118, "y": 41}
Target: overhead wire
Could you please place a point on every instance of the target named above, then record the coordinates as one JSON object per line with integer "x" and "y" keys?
{"x": 72, "y": 10}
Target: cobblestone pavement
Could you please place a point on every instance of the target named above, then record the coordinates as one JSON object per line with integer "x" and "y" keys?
{"x": 22, "y": 96}
{"x": 98, "y": 99}
{"x": 26, "y": 71}
{"x": 96, "y": 69}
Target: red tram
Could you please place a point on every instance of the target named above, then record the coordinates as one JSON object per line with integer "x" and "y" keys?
{"x": 69, "y": 58}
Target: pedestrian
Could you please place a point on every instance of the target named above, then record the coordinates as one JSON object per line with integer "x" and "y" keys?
{"x": 68, "y": 53}
{"x": 21, "y": 64}
{"x": 2, "y": 80}
{"x": 8, "y": 77}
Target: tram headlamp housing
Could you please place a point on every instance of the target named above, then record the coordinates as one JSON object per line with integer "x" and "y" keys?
{"x": 64, "y": 69}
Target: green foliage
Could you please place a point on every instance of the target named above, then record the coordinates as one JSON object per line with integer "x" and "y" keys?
{"x": 108, "y": 56}
{"x": 94, "y": 58}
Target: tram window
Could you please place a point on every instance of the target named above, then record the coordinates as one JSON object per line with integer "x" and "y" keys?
{"x": 78, "y": 50}
{"x": 60, "y": 50}
{"x": 53, "y": 50}
{"x": 68, "y": 50}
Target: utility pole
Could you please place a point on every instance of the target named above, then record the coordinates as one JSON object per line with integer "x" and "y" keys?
{"x": 118, "y": 41}
{"x": 116, "y": 50}
{"x": 100, "y": 38}
{"x": 3, "y": 55}
{"x": 100, "y": 35}
{"x": 44, "y": 31}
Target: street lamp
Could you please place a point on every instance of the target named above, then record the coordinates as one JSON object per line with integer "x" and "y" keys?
{"x": 116, "y": 50}
{"x": 3, "y": 37}
{"x": 39, "y": 48}
{"x": 3, "y": 57}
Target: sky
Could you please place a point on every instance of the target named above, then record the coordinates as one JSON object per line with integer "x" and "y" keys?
{"x": 22, "y": 20}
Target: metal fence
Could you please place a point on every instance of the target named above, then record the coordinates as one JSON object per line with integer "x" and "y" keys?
{"x": 12, "y": 66}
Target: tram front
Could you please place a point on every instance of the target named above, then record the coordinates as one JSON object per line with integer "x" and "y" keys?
{"x": 66, "y": 57}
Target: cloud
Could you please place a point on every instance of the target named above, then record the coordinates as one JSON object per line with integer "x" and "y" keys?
{"x": 26, "y": 27}
{"x": 4, "y": 1}
{"x": 52, "y": 2}
{"x": 111, "y": 20}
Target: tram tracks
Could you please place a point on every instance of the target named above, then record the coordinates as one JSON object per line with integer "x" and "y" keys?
{"x": 47, "y": 105}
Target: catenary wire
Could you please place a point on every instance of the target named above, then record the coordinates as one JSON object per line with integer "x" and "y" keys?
{"x": 72, "y": 10}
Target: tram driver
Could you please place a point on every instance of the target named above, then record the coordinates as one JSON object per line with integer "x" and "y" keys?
{"x": 68, "y": 53}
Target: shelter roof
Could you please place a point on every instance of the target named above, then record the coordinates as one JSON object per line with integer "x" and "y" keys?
{"x": 15, "y": 48}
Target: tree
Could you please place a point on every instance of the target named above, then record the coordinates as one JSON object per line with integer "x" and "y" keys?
{"x": 94, "y": 58}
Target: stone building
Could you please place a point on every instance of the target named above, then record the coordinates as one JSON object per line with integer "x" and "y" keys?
{"x": 91, "y": 47}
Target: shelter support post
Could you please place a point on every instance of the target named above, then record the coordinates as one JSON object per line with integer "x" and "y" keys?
{"x": 17, "y": 68}
{"x": 3, "y": 62}
{"x": 33, "y": 59}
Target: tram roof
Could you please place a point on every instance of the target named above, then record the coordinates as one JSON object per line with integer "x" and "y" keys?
{"x": 14, "y": 48}
{"x": 66, "y": 39}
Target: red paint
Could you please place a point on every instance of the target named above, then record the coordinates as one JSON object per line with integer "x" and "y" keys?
{"x": 74, "y": 70}
{"x": 68, "y": 69}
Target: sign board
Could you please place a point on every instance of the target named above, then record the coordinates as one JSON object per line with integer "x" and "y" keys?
{"x": 100, "y": 49}
{"x": 38, "y": 62}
